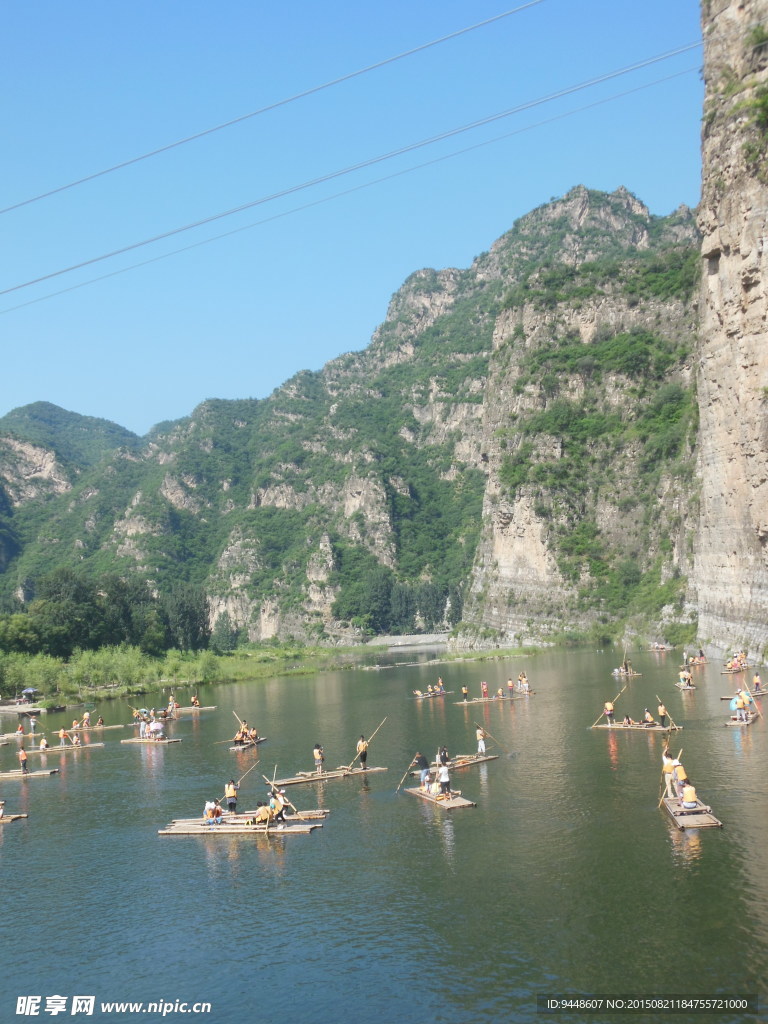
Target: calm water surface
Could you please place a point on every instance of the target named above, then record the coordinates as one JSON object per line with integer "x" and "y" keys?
{"x": 566, "y": 878}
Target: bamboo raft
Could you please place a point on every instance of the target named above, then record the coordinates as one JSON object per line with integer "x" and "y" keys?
{"x": 454, "y": 801}
{"x": 426, "y": 696}
{"x": 460, "y": 761}
{"x": 241, "y": 817}
{"x": 93, "y": 728}
{"x": 492, "y": 700}
{"x": 11, "y": 817}
{"x": 734, "y": 671}
{"x": 248, "y": 743}
{"x": 655, "y": 727}
{"x": 338, "y": 773}
{"x": 751, "y": 716}
{"x": 730, "y": 696}
{"x": 625, "y": 675}
{"x": 58, "y": 748}
{"x": 154, "y": 743}
{"x": 203, "y": 828}
{"x": 17, "y": 773}
{"x": 683, "y": 687}
{"x": 699, "y": 816}
{"x": 193, "y": 707}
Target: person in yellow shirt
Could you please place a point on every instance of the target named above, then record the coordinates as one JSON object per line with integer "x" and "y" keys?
{"x": 680, "y": 777}
{"x": 230, "y": 794}
{"x": 690, "y": 799}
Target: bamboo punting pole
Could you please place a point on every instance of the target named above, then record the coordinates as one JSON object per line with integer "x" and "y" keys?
{"x": 239, "y": 781}
{"x": 413, "y": 762}
{"x": 752, "y": 699}
{"x": 348, "y": 767}
{"x": 614, "y": 701}
{"x": 293, "y": 807}
{"x": 680, "y": 754}
{"x": 671, "y": 721}
{"x": 493, "y": 738}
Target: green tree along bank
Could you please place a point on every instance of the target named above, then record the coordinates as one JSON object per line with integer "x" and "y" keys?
{"x": 70, "y": 612}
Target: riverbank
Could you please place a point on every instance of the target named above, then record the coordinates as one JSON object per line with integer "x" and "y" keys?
{"x": 125, "y": 672}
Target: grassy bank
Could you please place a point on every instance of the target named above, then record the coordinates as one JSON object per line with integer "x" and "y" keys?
{"x": 126, "y": 672}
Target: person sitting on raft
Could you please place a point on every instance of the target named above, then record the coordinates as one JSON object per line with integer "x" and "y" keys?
{"x": 690, "y": 799}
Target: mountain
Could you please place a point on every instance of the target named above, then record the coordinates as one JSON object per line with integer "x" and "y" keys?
{"x": 43, "y": 451}
{"x": 511, "y": 451}
{"x": 75, "y": 440}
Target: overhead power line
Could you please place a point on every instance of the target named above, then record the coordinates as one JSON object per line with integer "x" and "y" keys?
{"x": 355, "y": 167}
{"x": 271, "y": 106}
{"x": 346, "y": 192}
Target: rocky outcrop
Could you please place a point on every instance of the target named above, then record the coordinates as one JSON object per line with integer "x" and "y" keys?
{"x": 518, "y": 586}
{"x": 732, "y": 542}
{"x": 30, "y": 472}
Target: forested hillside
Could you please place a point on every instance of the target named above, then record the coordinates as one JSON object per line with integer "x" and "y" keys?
{"x": 512, "y": 453}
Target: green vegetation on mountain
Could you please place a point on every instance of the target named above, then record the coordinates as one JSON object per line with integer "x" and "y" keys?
{"x": 630, "y": 425}
{"x": 352, "y": 498}
{"x": 76, "y": 440}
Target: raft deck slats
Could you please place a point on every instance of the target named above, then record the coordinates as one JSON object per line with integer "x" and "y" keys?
{"x": 492, "y": 700}
{"x": 700, "y": 816}
{"x": 250, "y": 743}
{"x": 204, "y": 829}
{"x": 240, "y": 818}
{"x": 59, "y": 749}
{"x": 338, "y": 773}
{"x": 656, "y": 727}
{"x": 460, "y": 761}
{"x": 193, "y": 707}
{"x": 154, "y": 743}
{"x": 455, "y": 801}
{"x": 11, "y": 817}
{"x": 93, "y": 728}
{"x": 735, "y": 721}
{"x": 17, "y": 773}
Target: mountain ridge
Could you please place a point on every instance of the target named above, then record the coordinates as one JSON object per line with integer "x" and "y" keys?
{"x": 354, "y": 498}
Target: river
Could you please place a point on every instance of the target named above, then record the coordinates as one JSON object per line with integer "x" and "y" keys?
{"x": 566, "y": 879}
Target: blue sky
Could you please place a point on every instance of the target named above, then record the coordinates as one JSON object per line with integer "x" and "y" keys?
{"x": 92, "y": 84}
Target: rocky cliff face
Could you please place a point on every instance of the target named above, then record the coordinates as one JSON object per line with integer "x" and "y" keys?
{"x": 731, "y": 548}
{"x": 569, "y": 494}
{"x": 515, "y": 440}
{"x": 30, "y": 472}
